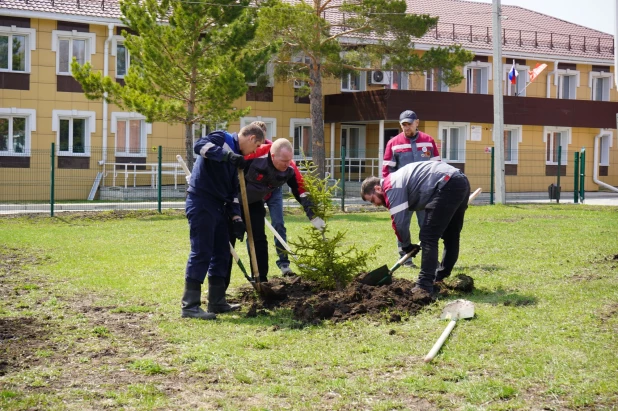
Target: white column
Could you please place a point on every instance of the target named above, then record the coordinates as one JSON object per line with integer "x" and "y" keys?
{"x": 381, "y": 147}
{"x": 498, "y": 132}
{"x": 332, "y": 150}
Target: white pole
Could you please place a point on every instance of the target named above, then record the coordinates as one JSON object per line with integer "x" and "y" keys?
{"x": 616, "y": 44}
{"x": 498, "y": 131}
{"x": 332, "y": 150}
{"x": 381, "y": 147}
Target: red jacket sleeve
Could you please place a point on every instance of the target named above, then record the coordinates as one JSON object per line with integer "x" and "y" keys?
{"x": 388, "y": 157}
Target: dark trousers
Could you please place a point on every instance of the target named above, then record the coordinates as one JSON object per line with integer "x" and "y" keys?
{"x": 444, "y": 218}
{"x": 257, "y": 212}
{"x": 208, "y": 233}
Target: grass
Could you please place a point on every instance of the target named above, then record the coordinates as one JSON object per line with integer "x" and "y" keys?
{"x": 102, "y": 296}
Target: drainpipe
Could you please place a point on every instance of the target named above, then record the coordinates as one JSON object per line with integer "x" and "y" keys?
{"x": 595, "y": 169}
{"x": 555, "y": 79}
{"x": 110, "y": 34}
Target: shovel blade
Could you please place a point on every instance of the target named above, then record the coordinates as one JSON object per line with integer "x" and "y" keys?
{"x": 378, "y": 276}
{"x": 457, "y": 310}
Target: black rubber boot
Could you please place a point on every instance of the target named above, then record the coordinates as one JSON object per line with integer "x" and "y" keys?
{"x": 191, "y": 302}
{"x": 216, "y": 296}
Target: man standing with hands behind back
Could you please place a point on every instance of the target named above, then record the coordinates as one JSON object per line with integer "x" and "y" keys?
{"x": 409, "y": 146}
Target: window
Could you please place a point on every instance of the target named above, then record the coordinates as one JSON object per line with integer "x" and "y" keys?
{"x": 398, "y": 80}
{"x": 512, "y": 138}
{"x": 605, "y": 142}
{"x": 433, "y": 80}
{"x": 523, "y": 79}
{"x": 73, "y": 129}
{"x": 354, "y": 137}
{"x": 271, "y": 125}
{"x": 131, "y": 132}
{"x": 122, "y": 60}
{"x": 16, "y": 43}
{"x": 300, "y": 128}
{"x": 567, "y": 82}
{"x": 353, "y": 81}
{"x": 299, "y": 59}
{"x": 270, "y": 73}
{"x": 600, "y": 84}
{"x": 70, "y": 44}
{"x": 16, "y": 126}
{"x": 477, "y": 76}
{"x": 453, "y": 138}
{"x": 553, "y": 138}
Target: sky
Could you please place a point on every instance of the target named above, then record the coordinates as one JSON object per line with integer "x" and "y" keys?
{"x": 596, "y": 14}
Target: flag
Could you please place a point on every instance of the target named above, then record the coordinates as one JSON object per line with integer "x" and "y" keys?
{"x": 513, "y": 74}
{"x": 536, "y": 71}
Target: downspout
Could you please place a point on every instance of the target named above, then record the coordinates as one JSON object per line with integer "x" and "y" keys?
{"x": 555, "y": 79}
{"x": 110, "y": 34}
{"x": 595, "y": 170}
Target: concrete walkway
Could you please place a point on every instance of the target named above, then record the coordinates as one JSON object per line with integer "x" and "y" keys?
{"x": 351, "y": 203}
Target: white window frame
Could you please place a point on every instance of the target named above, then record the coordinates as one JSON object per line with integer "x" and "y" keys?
{"x": 116, "y": 40}
{"x": 519, "y": 139}
{"x": 362, "y": 82}
{"x": 295, "y": 122}
{"x": 604, "y": 149}
{"x": 487, "y": 67}
{"x": 270, "y": 72}
{"x": 91, "y": 123}
{"x": 30, "y": 115}
{"x": 145, "y": 129}
{"x": 58, "y": 35}
{"x": 596, "y": 75}
{"x": 523, "y": 76}
{"x": 565, "y": 151}
{"x": 30, "y": 46}
{"x": 559, "y": 78}
{"x": 362, "y": 137}
{"x": 429, "y": 79}
{"x": 271, "y": 125}
{"x": 443, "y": 125}
{"x": 299, "y": 59}
{"x": 404, "y": 77}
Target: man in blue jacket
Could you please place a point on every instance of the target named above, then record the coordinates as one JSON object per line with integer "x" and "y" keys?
{"x": 212, "y": 200}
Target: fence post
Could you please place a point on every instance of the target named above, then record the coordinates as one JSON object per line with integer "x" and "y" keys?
{"x": 491, "y": 179}
{"x": 558, "y": 177}
{"x": 159, "y": 179}
{"x": 53, "y": 168}
{"x": 343, "y": 173}
{"x": 576, "y": 178}
{"x": 582, "y": 173}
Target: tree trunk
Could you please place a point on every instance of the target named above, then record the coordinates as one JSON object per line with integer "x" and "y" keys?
{"x": 190, "y": 117}
{"x": 317, "y": 119}
{"x": 189, "y": 144}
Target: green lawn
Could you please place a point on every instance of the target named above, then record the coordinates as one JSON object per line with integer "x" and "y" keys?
{"x": 89, "y": 319}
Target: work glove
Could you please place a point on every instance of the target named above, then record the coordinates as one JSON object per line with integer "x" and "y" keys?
{"x": 235, "y": 159}
{"x": 238, "y": 228}
{"x": 412, "y": 247}
{"x": 318, "y": 223}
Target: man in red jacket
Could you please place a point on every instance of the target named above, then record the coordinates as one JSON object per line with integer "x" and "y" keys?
{"x": 269, "y": 168}
{"x": 409, "y": 146}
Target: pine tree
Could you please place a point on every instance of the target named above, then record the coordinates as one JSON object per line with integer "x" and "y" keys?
{"x": 189, "y": 61}
{"x": 328, "y": 39}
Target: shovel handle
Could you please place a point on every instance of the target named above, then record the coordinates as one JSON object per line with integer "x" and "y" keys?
{"x": 403, "y": 259}
{"x": 436, "y": 347}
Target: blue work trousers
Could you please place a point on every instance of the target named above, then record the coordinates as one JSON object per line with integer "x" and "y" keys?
{"x": 208, "y": 232}
{"x": 275, "y": 209}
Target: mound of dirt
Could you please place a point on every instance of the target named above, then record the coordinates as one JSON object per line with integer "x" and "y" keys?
{"x": 311, "y": 305}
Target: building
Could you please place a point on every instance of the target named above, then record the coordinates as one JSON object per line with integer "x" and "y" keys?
{"x": 571, "y": 105}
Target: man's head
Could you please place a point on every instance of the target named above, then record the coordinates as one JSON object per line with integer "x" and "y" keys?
{"x": 261, "y": 125}
{"x": 409, "y": 123}
{"x": 282, "y": 154}
{"x": 371, "y": 191}
{"x": 250, "y": 138}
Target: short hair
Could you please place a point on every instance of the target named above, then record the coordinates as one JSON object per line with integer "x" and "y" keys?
{"x": 281, "y": 144}
{"x": 261, "y": 125}
{"x": 369, "y": 186}
{"x": 252, "y": 130}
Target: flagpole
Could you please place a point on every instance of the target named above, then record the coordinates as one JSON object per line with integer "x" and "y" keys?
{"x": 516, "y": 80}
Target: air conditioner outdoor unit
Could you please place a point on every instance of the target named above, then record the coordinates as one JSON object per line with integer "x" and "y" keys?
{"x": 379, "y": 77}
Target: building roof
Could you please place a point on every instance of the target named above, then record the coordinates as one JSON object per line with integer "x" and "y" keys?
{"x": 461, "y": 22}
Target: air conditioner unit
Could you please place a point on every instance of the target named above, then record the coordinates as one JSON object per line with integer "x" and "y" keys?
{"x": 379, "y": 77}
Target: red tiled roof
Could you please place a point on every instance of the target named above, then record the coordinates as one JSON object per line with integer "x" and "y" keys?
{"x": 462, "y": 22}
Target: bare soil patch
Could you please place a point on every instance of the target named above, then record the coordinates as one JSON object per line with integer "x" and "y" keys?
{"x": 311, "y": 305}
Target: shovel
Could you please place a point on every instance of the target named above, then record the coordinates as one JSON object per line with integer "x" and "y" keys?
{"x": 384, "y": 275}
{"x": 262, "y": 289}
{"x": 453, "y": 311}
